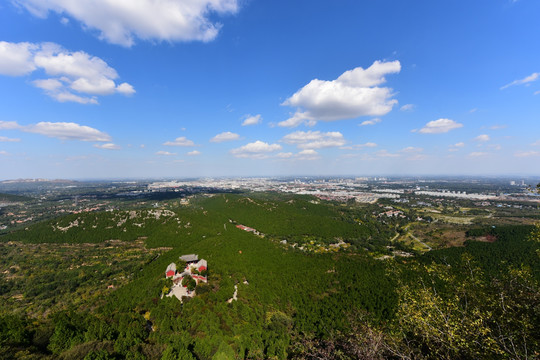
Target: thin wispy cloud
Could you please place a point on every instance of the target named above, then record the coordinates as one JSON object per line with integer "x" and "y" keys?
{"x": 370, "y": 122}
{"x": 59, "y": 130}
{"x": 476, "y": 154}
{"x": 314, "y": 139}
{"x": 482, "y": 138}
{"x": 108, "y": 146}
{"x": 455, "y": 147}
{"x": 165, "y": 153}
{"x": 525, "y": 80}
{"x": 407, "y": 107}
{"x": 526, "y": 153}
{"x": 6, "y": 139}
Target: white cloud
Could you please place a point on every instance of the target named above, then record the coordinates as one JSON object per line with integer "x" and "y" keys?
{"x": 121, "y": 22}
{"x": 59, "y": 130}
{"x": 9, "y": 125}
{"x": 73, "y": 76}
{"x": 407, "y": 107}
{"x": 456, "y": 146}
{"x": 526, "y": 153}
{"x": 314, "y": 139}
{"x": 385, "y": 153}
{"x": 370, "y": 122}
{"x": 284, "y": 155}
{"x": 180, "y": 141}
{"x": 3, "y": 152}
{"x": 536, "y": 143}
{"x": 482, "y": 138}
{"x": 252, "y": 120}
{"x": 537, "y": 92}
{"x": 67, "y": 131}
{"x": 526, "y": 80}
{"x": 440, "y": 126}
{"x": 6, "y": 139}
{"x": 353, "y": 94}
{"x": 108, "y": 146}
{"x": 411, "y": 149}
{"x": 16, "y": 58}
{"x": 308, "y": 154}
{"x": 165, "y": 153}
{"x": 125, "y": 89}
{"x": 478, "y": 154}
{"x": 359, "y": 146}
{"x": 417, "y": 157}
{"x": 194, "y": 153}
{"x": 225, "y": 136}
{"x": 255, "y": 150}
{"x": 497, "y": 127}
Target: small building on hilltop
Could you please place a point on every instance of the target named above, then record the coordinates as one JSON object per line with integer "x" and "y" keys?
{"x": 195, "y": 269}
{"x": 171, "y": 270}
{"x": 190, "y": 258}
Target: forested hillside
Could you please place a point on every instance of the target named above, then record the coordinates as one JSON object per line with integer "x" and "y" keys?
{"x": 477, "y": 301}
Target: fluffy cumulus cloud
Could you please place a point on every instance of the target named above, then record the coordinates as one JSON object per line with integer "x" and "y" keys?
{"x": 353, "y": 94}
{"x": 256, "y": 150}
{"x": 16, "y": 58}
{"x": 59, "y": 130}
{"x": 525, "y": 80}
{"x": 440, "y": 126}
{"x": 252, "y": 120}
{"x": 314, "y": 139}
{"x": 180, "y": 141}
{"x": 225, "y": 136}
{"x": 108, "y": 146}
{"x": 69, "y": 76}
{"x": 121, "y": 22}
{"x": 194, "y": 153}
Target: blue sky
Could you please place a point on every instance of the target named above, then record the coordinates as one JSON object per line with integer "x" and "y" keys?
{"x": 185, "y": 88}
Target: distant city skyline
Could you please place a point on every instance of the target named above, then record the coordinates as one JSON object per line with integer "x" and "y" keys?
{"x": 176, "y": 89}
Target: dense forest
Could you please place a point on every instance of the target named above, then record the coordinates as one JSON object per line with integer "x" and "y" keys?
{"x": 481, "y": 300}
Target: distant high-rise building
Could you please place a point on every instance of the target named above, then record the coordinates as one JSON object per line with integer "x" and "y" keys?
{"x": 512, "y": 183}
